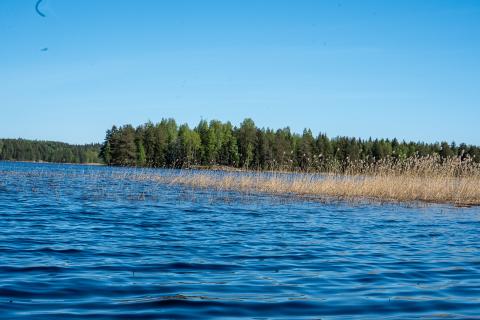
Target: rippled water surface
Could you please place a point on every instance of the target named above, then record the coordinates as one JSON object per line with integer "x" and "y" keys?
{"x": 78, "y": 242}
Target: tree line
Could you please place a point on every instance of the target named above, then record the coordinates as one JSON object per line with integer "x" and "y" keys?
{"x": 48, "y": 151}
{"x": 168, "y": 145}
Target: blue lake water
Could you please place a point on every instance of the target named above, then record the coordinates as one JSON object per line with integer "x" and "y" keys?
{"x": 91, "y": 242}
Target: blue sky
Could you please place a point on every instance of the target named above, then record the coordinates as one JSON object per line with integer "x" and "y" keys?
{"x": 406, "y": 69}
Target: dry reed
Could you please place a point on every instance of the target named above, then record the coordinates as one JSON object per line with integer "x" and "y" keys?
{"x": 427, "y": 179}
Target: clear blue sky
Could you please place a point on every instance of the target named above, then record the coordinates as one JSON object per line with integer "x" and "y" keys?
{"x": 406, "y": 69}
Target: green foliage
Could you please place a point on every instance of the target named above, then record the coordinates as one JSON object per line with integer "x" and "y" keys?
{"x": 246, "y": 136}
{"x": 140, "y": 154}
{"x": 189, "y": 147}
{"x": 49, "y": 151}
{"x": 122, "y": 146}
{"x": 216, "y": 143}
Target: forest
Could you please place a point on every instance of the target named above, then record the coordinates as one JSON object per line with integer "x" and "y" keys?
{"x": 168, "y": 145}
{"x": 48, "y": 151}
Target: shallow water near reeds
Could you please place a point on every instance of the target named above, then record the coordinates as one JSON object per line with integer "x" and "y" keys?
{"x": 82, "y": 241}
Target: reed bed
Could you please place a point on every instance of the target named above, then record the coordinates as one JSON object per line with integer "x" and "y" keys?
{"x": 427, "y": 179}
{"x": 417, "y": 179}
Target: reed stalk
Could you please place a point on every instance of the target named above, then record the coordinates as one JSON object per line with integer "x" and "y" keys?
{"x": 426, "y": 179}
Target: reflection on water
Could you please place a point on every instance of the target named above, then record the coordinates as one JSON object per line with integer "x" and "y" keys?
{"x": 77, "y": 241}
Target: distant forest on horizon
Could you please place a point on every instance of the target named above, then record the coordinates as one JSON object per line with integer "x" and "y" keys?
{"x": 168, "y": 145}
{"x": 48, "y": 151}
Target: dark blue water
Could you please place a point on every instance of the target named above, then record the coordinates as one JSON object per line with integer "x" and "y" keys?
{"x": 92, "y": 242}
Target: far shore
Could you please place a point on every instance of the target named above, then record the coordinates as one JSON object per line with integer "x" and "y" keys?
{"x": 47, "y": 162}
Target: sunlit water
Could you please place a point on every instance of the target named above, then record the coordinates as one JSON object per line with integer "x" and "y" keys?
{"x": 89, "y": 242}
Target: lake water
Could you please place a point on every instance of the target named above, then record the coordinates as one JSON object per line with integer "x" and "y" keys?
{"x": 81, "y": 241}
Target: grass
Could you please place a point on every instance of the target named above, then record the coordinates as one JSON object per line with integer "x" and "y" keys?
{"x": 427, "y": 179}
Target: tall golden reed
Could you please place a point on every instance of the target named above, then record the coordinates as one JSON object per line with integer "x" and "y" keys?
{"x": 427, "y": 179}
